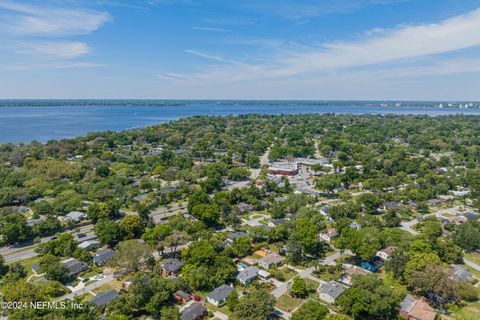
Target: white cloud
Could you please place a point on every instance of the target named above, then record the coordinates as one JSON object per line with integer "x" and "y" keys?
{"x": 28, "y": 20}
{"x": 376, "y": 48}
{"x": 210, "y": 29}
{"x": 54, "y": 49}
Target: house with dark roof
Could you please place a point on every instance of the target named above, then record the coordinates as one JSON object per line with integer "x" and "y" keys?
{"x": 219, "y": 296}
{"x": 171, "y": 267}
{"x": 182, "y": 296}
{"x": 195, "y": 311}
{"x": 247, "y": 275}
{"x": 244, "y": 207}
{"x": 103, "y": 298}
{"x": 103, "y": 256}
{"x": 235, "y": 235}
{"x": 276, "y": 222}
{"x": 75, "y": 266}
{"x": 330, "y": 291}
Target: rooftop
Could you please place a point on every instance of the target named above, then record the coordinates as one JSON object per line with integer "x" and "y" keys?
{"x": 221, "y": 292}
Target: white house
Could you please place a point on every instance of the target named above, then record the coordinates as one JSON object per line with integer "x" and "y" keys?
{"x": 385, "y": 253}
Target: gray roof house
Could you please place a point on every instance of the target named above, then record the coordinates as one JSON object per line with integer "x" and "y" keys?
{"x": 171, "y": 267}
{"x": 74, "y": 216}
{"x": 89, "y": 245}
{"x": 247, "y": 275}
{"x": 461, "y": 274}
{"x": 104, "y": 298}
{"x": 75, "y": 266}
{"x": 195, "y": 311}
{"x": 330, "y": 291}
{"x": 271, "y": 260}
{"x": 102, "y": 257}
{"x": 219, "y": 296}
{"x": 232, "y": 236}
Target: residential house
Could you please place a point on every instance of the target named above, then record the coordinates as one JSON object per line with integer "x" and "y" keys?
{"x": 392, "y": 205}
{"x": 101, "y": 257}
{"x": 460, "y": 273}
{"x": 330, "y": 291}
{"x": 355, "y": 225}
{"x": 352, "y": 271}
{"x": 244, "y": 207}
{"x": 218, "y": 297}
{"x": 75, "y": 266}
{"x": 271, "y": 260}
{"x": 182, "y": 296}
{"x": 385, "y": 253}
{"x": 103, "y": 298}
{"x": 74, "y": 216}
{"x": 89, "y": 245}
{"x": 171, "y": 267}
{"x": 264, "y": 275}
{"x": 412, "y": 308}
{"x": 276, "y": 222}
{"x": 195, "y": 311}
{"x": 434, "y": 202}
{"x": 247, "y": 275}
{"x": 233, "y": 236}
{"x": 141, "y": 197}
{"x": 470, "y": 215}
{"x": 328, "y": 235}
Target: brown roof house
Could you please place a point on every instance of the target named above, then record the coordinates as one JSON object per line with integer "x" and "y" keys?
{"x": 347, "y": 277}
{"x": 412, "y": 308}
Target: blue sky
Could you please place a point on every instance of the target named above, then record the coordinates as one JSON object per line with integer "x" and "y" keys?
{"x": 245, "y": 49}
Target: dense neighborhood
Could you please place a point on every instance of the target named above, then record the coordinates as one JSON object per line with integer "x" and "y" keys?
{"x": 247, "y": 217}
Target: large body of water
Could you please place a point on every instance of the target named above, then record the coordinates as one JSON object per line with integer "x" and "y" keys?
{"x": 25, "y": 123}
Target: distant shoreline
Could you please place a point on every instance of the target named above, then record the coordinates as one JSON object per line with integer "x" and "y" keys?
{"x": 213, "y": 103}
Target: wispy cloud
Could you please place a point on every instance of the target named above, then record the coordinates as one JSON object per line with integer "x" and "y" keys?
{"x": 378, "y": 47}
{"x": 45, "y": 33}
{"x": 54, "y": 49}
{"x": 28, "y": 20}
{"x": 299, "y": 10}
{"x": 210, "y": 29}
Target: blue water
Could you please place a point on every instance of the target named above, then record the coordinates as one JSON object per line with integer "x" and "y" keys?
{"x": 25, "y": 124}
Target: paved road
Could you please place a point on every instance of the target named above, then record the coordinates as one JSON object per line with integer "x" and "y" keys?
{"x": 307, "y": 273}
{"x": 26, "y": 252}
{"x": 263, "y": 160}
{"x": 407, "y": 226}
{"x": 90, "y": 287}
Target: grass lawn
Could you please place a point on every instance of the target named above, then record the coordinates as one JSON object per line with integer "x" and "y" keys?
{"x": 223, "y": 309}
{"x": 27, "y": 264}
{"x": 312, "y": 285}
{"x": 288, "y": 303}
{"x": 90, "y": 282}
{"x": 283, "y": 274}
{"x": 475, "y": 273}
{"x": 474, "y": 257}
{"x": 89, "y": 274}
{"x": 471, "y": 311}
{"x": 87, "y": 296}
{"x": 102, "y": 288}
